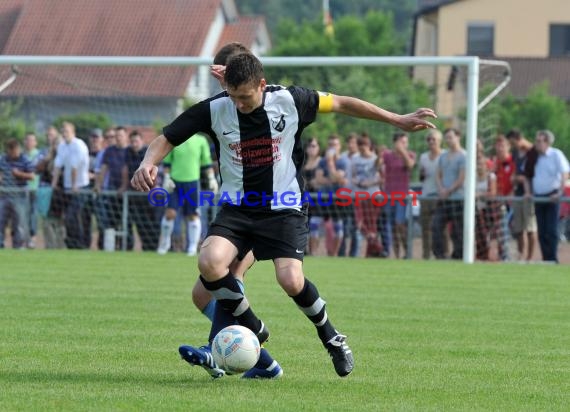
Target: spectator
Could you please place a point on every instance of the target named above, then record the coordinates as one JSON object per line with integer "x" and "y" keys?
{"x": 96, "y": 147}
{"x": 504, "y": 168}
{"x": 51, "y": 201}
{"x": 398, "y": 163}
{"x": 73, "y": 159}
{"x": 365, "y": 177}
{"x": 524, "y": 220}
{"x": 382, "y": 220}
{"x": 109, "y": 179}
{"x": 428, "y": 174}
{"x": 32, "y": 153}
{"x": 99, "y": 203}
{"x": 141, "y": 213}
{"x": 450, "y": 177}
{"x": 485, "y": 189}
{"x": 352, "y": 238}
{"x": 331, "y": 176}
{"x": 15, "y": 173}
{"x": 312, "y": 160}
{"x": 550, "y": 174}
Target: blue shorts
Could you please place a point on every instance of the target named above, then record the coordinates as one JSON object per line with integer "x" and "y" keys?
{"x": 185, "y": 197}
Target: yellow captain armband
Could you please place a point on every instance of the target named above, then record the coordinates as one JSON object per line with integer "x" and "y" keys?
{"x": 325, "y": 102}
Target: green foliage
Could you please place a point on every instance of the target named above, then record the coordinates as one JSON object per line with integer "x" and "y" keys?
{"x": 373, "y": 35}
{"x": 85, "y": 122}
{"x": 299, "y": 11}
{"x": 12, "y": 126}
{"x": 538, "y": 110}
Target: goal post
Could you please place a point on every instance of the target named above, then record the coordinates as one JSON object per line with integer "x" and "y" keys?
{"x": 471, "y": 64}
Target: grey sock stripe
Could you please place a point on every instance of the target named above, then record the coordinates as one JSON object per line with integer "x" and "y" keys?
{"x": 242, "y": 307}
{"x": 225, "y": 293}
{"x": 315, "y": 308}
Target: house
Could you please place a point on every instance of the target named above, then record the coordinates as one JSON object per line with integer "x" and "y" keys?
{"x": 534, "y": 37}
{"x": 135, "y": 96}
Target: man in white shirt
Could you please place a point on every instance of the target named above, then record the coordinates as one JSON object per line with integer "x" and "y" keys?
{"x": 550, "y": 174}
{"x": 73, "y": 160}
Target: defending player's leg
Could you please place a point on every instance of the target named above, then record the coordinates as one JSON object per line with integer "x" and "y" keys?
{"x": 265, "y": 368}
{"x": 166, "y": 229}
{"x": 201, "y": 356}
{"x": 306, "y": 296}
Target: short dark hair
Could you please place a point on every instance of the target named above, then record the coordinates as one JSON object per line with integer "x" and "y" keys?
{"x": 229, "y": 50}
{"x": 398, "y": 135}
{"x": 11, "y": 144}
{"x": 455, "y": 131}
{"x": 134, "y": 133}
{"x": 242, "y": 69}
{"x": 514, "y": 134}
{"x": 364, "y": 140}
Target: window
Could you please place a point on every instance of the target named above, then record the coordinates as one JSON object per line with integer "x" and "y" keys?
{"x": 480, "y": 39}
{"x": 559, "y": 40}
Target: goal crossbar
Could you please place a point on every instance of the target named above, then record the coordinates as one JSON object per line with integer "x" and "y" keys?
{"x": 470, "y": 62}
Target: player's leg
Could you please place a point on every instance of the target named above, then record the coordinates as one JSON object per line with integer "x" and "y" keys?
{"x": 188, "y": 201}
{"x": 305, "y": 294}
{"x": 203, "y": 299}
{"x": 283, "y": 238}
{"x": 216, "y": 254}
{"x": 202, "y": 356}
{"x": 265, "y": 368}
{"x": 166, "y": 229}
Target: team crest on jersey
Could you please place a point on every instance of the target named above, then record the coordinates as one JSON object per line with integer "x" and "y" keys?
{"x": 278, "y": 123}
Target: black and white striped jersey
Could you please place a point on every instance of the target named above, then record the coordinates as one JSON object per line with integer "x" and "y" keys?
{"x": 260, "y": 153}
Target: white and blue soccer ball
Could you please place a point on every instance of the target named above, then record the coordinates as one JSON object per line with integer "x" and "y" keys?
{"x": 235, "y": 349}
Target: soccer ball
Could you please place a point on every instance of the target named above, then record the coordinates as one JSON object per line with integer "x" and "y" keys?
{"x": 235, "y": 349}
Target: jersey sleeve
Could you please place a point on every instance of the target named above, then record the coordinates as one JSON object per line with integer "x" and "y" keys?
{"x": 306, "y": 102}
{"x": 195, "y": 119}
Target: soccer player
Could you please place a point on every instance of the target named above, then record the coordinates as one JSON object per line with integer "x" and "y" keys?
{"x": 183, "y": 166}
{"x": 257, "y": 129}
{"x": 266, "y": 367}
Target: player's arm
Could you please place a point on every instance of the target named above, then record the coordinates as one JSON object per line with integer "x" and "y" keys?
{"x": 354, "y": 107}
{"x": 145, "y": 176}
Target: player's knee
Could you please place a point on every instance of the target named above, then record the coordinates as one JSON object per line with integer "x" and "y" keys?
{"x": 212, "y": 267}
{"x": 291, "y": 279}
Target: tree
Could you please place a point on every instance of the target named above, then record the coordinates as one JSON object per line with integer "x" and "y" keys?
{"x": 85, "y": 122}
{"x": 374, "y": 35}
{"x": 12, "y": 126}
{"x": 538, "y": 110}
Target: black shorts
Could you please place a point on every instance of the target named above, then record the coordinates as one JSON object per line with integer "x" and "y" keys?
{"x": 270, "y": 234}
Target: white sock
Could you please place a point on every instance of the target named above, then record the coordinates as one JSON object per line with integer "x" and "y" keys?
{"x": 166, "y": 227}
{"x": 194, "y": 229}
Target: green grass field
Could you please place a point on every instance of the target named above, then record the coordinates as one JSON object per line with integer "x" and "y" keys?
{"x": 100, "y": 331}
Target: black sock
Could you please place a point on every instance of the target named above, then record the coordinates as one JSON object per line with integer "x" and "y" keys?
{"x": 314, "y": 308}
{"x": 231, "y": 299}
{"x": 221, "y": 319}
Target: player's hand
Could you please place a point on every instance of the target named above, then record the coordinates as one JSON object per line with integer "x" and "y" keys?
{"x": 145, "y": 177}
{"x": 217, "y": 71}
{"x": 415, "y": 121}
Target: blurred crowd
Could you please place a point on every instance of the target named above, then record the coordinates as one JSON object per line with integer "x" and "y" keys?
{"x": 78, "y": 195}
